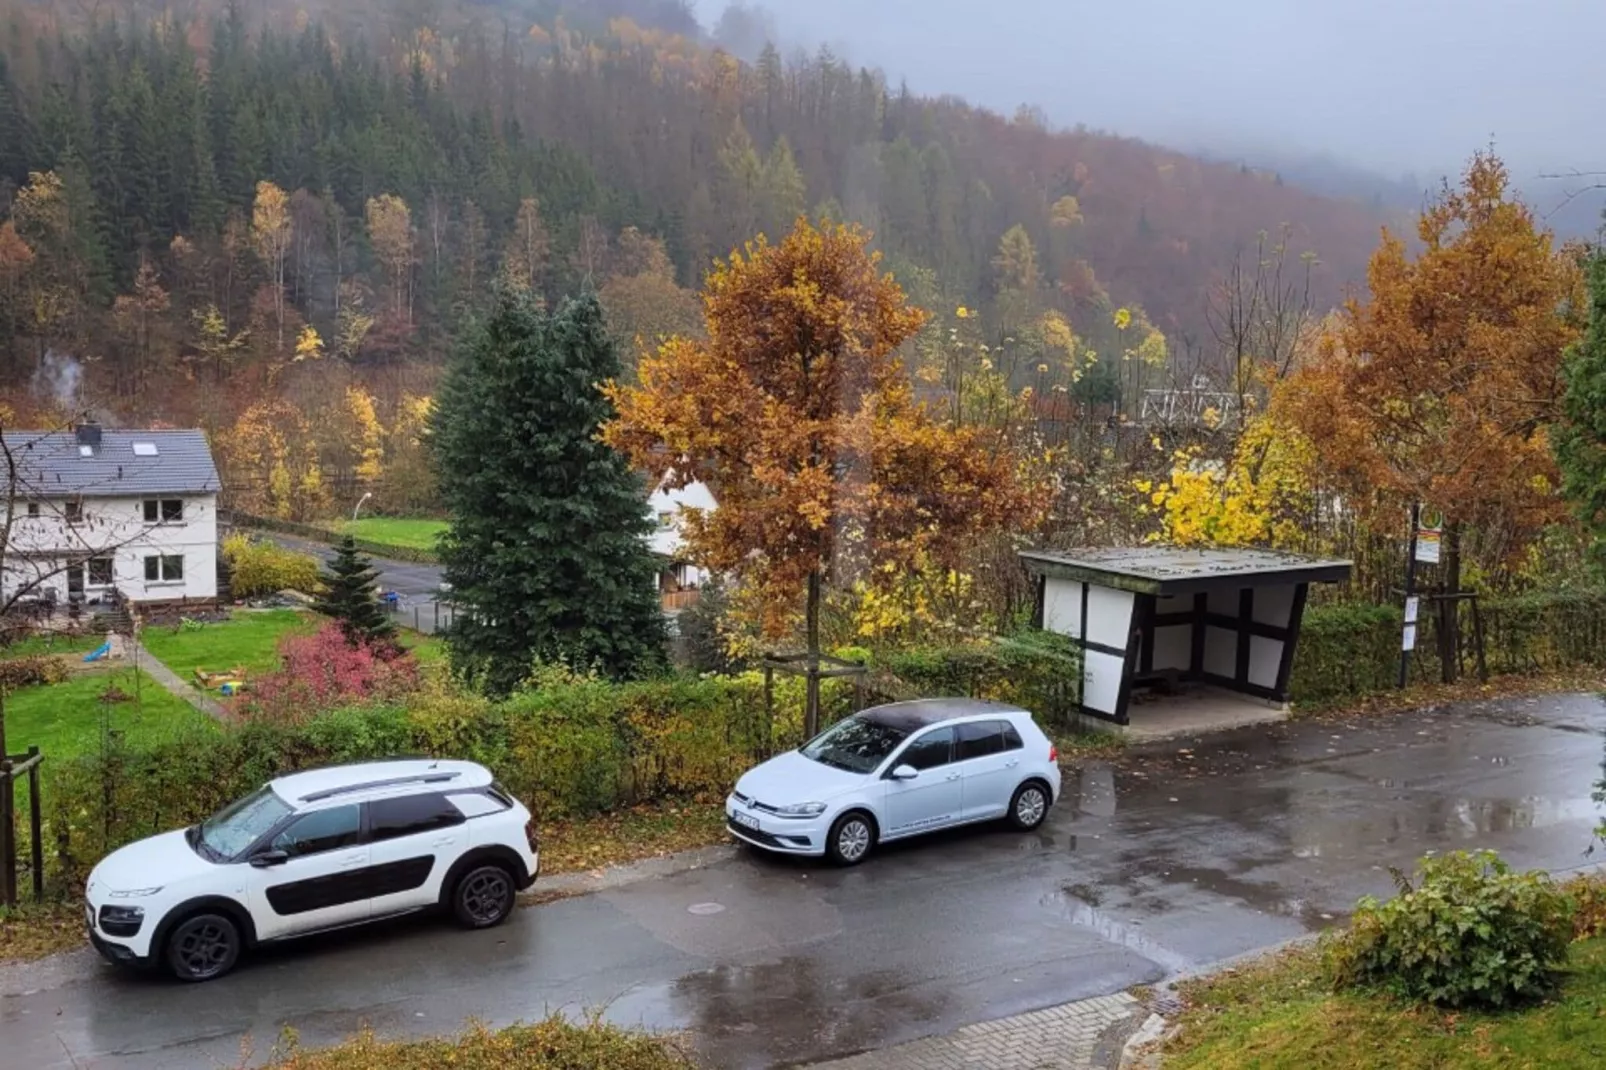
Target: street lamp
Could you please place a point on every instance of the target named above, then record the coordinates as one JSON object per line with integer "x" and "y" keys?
{"x": 358, "y": 507}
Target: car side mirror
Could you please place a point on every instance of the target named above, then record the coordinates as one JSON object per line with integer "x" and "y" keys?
{"x": 269, "y": 858}
{"x": 905, "y": 772}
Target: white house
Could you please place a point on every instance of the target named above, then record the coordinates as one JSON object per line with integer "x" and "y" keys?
{"x": 679, "y": 581}
{"x": 93, "y": 511}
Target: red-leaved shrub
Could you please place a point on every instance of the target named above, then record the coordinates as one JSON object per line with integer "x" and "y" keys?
{"x": 324, "y": 671}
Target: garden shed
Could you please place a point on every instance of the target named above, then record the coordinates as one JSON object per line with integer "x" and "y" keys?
{"x": 1204, "y": 638}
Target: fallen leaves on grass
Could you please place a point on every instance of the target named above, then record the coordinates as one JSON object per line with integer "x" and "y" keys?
{"x": 34, "y": 931}
{"x": 552, "y": 1044}
{"x": 630, "y": 835}
{"x": 1420, "y": 696}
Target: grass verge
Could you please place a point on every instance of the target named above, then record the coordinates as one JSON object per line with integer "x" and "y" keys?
{"x": 1279, "y": 1014}
{"x": 552, "y": 1044}
{"x": 413, "y": 533}
{"x": 53, "y": 643}
{"x": 248, "y": 640}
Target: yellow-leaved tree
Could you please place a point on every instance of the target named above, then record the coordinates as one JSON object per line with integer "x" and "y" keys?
{"x": 796, "y": 411}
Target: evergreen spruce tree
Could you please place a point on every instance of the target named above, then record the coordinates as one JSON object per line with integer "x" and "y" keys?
{"x": 349, "y": 595}
{"x": 1581, "y": 437}
{"x": 547, "y": 552}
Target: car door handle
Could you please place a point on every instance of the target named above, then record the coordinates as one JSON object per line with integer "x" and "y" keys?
{"x": 956, "y": 776}
{"x": 444, "y": 841}
{"x": 1012, "y": 764}
{"x": 352, "y": 861}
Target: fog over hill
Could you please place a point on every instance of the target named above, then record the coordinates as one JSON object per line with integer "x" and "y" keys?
{"x": 1323, "y": 90}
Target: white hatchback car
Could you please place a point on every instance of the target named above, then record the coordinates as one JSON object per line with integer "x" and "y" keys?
{"x": 894, "y": 771}
{"x": 313, "y": 851}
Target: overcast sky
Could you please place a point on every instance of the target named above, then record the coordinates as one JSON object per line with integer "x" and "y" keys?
{"x": 1394, "y": 85}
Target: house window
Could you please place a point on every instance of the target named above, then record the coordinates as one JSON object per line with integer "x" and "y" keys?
{"x": 165, "y": 510}
{"x": 100, "y": 572}
{"x": 33, "y": 508}
{"x": 73, "y": 511}
{"x": 164, "y": 569}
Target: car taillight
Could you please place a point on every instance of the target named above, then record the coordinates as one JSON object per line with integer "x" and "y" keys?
{"x": 1053, "y": 753}
{"x": 529, "y": 833}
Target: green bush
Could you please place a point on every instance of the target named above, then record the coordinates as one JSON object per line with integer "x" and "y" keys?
{"x": 1471, "y": 933}
{"x": 553, "y": 1044}
{"x": 259, "y": 568}
{"x": 30, "y": 670}
{"x": 1036, "y": 670}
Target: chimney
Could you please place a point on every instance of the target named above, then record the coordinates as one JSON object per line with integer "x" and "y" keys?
{"x": 89, "y": 435}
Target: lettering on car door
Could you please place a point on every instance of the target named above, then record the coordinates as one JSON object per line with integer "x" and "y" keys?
{"x": 934, "y": 797}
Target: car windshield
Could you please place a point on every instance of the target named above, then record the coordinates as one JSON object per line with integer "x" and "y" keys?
{"x": 238, "y": 825}
{"x": 857, "y": 744}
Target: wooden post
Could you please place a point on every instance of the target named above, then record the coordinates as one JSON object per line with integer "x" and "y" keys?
{"x": 1410, "y": 592}
{"x": 8, "y": 836}
{"x": 36, "y": 825}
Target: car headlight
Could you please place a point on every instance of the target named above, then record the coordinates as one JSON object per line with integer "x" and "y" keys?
{"x": 121, "y": 914}
{"x": 134, "y": 893}
{"x": 812, "y": 809}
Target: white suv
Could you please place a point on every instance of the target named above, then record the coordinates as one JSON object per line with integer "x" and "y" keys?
{"x": 312, "y": 851}
{"x": 894, "y": 771}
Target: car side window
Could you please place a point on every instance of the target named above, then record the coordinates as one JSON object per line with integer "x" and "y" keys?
{"x": 930, "y": 750}
{"x": 408, "y": 815}
{"x": 1012, "y": 740}
{"x": 321, "y": 830}
{"x": 980, "y": 739}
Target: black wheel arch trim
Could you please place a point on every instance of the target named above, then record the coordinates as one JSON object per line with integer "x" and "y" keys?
{"x": 233, "y": 909}
{"x": 494, "y": 852}
{"x": 1048, "y": 789}
{"x": 868, "y": 815}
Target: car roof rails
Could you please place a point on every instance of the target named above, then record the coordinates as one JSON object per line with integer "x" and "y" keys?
{"x": 369, "y": 785}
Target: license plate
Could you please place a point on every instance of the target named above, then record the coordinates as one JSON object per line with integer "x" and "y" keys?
{"x": 744, "y": 820}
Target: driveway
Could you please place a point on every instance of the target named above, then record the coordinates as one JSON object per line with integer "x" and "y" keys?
{"x": 1177, "y": 857}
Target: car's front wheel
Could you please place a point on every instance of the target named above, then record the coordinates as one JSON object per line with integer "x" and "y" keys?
{"x": 484, "y": 897}
{"x": 203, "y": 947}
{"x": 1029, "y": 807}
{"x": 852, "y": 836}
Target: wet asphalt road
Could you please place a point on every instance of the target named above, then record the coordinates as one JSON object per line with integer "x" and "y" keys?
{"x": 1168, "y": 861}
{"x": 414, "y": 582}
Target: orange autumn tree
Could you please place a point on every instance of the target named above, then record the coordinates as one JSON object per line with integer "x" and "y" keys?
{"x": 797, "y": 412}
{"x": 1439, "y": 389}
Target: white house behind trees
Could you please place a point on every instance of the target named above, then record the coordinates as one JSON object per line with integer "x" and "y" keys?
{"x": 92, "y": 511}
{"x": 679, "y": 581}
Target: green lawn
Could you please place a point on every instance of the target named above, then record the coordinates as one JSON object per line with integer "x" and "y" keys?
{"x": 1279, "y": 1016}
{"x": 52, "y": 643}
{"x": 249, "y": 640}
{"x": 66, "y": 720}
{"x": 414, "y": 533}
{"x": 427, "y": 649}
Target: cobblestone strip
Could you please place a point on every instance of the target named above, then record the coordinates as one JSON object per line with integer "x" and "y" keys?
{"x": 1056, "y": 1038}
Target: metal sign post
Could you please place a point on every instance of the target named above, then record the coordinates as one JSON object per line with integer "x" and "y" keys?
{"x": 1408, "y": 639}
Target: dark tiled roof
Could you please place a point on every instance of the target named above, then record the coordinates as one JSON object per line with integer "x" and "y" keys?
{"x": 50, "y": 464}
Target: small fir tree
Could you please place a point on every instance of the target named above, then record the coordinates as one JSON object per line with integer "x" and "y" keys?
{"x": 349, "y": 595}
{"x": 547, "y": 551}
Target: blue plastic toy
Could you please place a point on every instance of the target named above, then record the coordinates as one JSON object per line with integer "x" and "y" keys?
{"x": 99, "y": 652}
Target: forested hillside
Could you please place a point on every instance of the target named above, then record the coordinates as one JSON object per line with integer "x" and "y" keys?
{"x": 281, "y": 215}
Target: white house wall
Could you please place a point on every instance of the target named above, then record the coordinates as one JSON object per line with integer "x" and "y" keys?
{"x": 1173, "y": 647}
{"x": 1101, "y": 680}
{"x": 118, "y": 526}
{"x": 1062, "y": 607}
{"x": 1109, "y": 616}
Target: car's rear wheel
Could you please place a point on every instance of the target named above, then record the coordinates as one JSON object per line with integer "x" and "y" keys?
{"x": 852, "y": 836}
{"x": 1029, "y": 807}
{"x": 203, "y": 947}
{"x": 484, "y": 897}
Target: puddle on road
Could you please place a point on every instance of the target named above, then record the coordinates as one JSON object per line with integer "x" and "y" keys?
{"x": 1069, "y": 905}
{"x": 759, "y": 1015}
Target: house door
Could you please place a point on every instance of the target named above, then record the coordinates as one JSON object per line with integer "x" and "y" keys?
{"x": 75, "y": 582}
